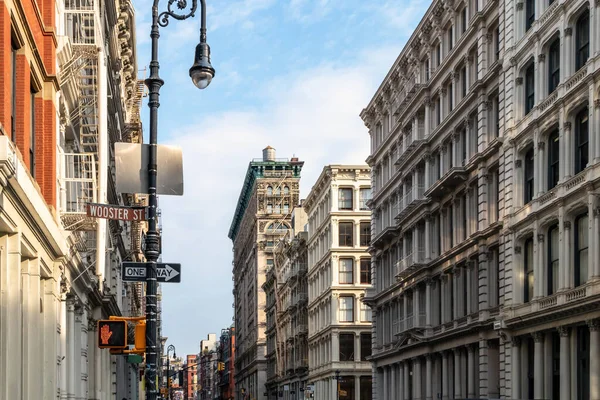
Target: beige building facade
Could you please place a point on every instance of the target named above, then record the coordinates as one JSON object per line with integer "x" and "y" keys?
{"x": 339, "y": 271}
{"x": 485, "y": 151}
{"x": 261, "y": 219}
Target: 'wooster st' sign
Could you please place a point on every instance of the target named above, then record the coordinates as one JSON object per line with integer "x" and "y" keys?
{"x": 110, "y": 211}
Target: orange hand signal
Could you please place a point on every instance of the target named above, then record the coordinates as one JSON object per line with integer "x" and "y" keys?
{"x": 105, "y": 334}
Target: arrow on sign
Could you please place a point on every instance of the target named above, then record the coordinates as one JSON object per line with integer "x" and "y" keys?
{"x": 166, "y": 273}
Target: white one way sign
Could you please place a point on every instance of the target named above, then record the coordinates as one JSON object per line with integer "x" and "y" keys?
{"x": 138, "y": 272}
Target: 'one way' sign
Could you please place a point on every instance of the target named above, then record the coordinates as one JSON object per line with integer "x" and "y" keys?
{"x": 138, "y": 272}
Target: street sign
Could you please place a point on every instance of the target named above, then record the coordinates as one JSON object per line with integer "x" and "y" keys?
{"x": 138, "y": 272}
{"x": 109, "y": 211}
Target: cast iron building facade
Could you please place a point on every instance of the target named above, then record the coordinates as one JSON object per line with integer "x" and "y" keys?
{"x": 262, "y": 217}
{"x": 485, "y": 204}
{"x": 339, "y": 323}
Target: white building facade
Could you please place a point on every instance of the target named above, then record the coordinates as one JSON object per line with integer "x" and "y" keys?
{"x": 339, "y": 271}
{"x": 485, "y": 158}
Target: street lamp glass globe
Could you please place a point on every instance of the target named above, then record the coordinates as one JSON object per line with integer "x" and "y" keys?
{"x": 201, "y": 78}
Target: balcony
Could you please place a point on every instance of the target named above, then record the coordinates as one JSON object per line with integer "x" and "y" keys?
{"x": 383, "y": 236}
{"x": 411, "y": 147}
{"x": 299, "y": 299}
{"x": 410, "y": 263}
{"x": 411, "y": 200}
{"x": 78, "y": 188}
{"x": 448, "y": 182}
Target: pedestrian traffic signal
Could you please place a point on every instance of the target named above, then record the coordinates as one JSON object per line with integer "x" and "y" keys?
{"x": 112, "y": 334}
{"x": 140, "y": 336}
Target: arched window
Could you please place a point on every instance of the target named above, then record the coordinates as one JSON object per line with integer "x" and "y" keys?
{"x": 582, "y": 39}
{"x": 581, "y": 140}
{"x": 269, "y": 190}
{"x": 277, "y": 190}
{"x": 286, "y": 190}
{"x": 553, "y": 65}
{"x": 277, "y": 227}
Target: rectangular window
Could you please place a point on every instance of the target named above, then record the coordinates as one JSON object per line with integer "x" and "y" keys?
{"x": 346, "y": 346}
{"x": 364, "y": 197}
{"x": 450, "y": 97}
{"x": 32, "y": 135}
{"x": 463, "y": 20}
{"x": 496, "y": 104}
{"x": 345, "y": 198}
{"x": 438, "y": 55}
{"x": 528, "y": 268}
{"x": 451, "y": 225}
{"x": 450, "y": 39}
{"x": 345, "y": 234}
{"x": 346, "y": 271}
{"x": 365, "y": 271}
{"x": 365, "y": 313}
{"x": 427, "y": 72}
{"x": 529, "y": 88}
{"x": 555, "y": 365}
{"x": 346, "y": 308}
{"x": 583, "y": 363}
{"x": 346, "y": 385}
{"x": 529, "y": 180}
{"x": 438, "y": 111}
{"x": 553, "y": 66}
{"x": 582, "y": 39}
{"x": 365, "y": 234}
{"x": 581, "y": 249}
{"x": 365, "y": 346}
{"x": 581, "y": 140}
{"x": 553, "y": 160}
{"x": 463, "y": 81}
{"x": 497, "y": 43}
{"x": 529, "y": 14}
{"x": 13, "y": 112}
{"x": 553, "y": 246}
{"x": 269, "y": 208}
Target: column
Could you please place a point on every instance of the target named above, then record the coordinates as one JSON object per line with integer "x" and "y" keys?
{"x": 417, "y": 381}
{"x": 540, "y": 90}
{"x": 386, "y": 392}
{"x": 428, "y": 310}
{"x": 538, "y": 367}
{"x": 594, "y": 326}
{"x": 470, "y": 294}
{"x": 471, "y": 376}
{"x": 561, "y": 249}
{"x": 334, "y": 198}
{"x": 567, "y": 60}
{"x": 428, "y": 160}
{"x": 457, "y": 370}
{"x": 445, "y": 386}
{"x": 428, "y": 376}
{"x": 539, "y": 266}
{"x": 596, "y": 243}
{"x": 565, "y": 363}
{"x": 468, "y": 60}
{"x": 592, "y": 249}
{"x": 444, "y": 294}
{"x": 393, "y": 370}
{"x": 568, "y": 265}
{"x": 406, "y": 380}
{"x": 540, "y": 169}
{"x": 71, "y": 359}
{"x": 562, "y": 147}
{"x": 596, "y": 122}
{"x": 401, "y": 382}
{"x": 455, "y": 275}
{"x": 428, "y": 238}
{"x": 516, "y": 368}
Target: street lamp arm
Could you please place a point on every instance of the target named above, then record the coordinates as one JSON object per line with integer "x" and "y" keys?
{"x": 163, "y": 18}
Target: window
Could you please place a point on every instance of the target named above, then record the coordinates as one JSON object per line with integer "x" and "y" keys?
{"x": 553, "y": 160}
{"x": 583, "y": 363}
{"x": 365, "y": 313}
{"x": 286, "y": 190}
{"x": 365, "y": 234}
{"x": 277, "y": 191}
{"x": 365, "y": 346}
{"x": 529, "y": 88}
{"x": 32, "y": 134}
{"x": 553, "y": 245}
{"x": 529, "y": 180}
{"x": 286, "y": 208}
{"x": 364, "y": 196}
{"x": 426, "y": 66}
{"x": 346, "y": 271}
{"x": 269, "y": 208}
{"x": 528, "y": 268}
{"x": 553, "y": 66}
{"x": 345, "y": 198}
{"x": 450, "y": 38}
{"x": 450, "y": 97}
{"x": 269, "y": 190}
{"x": 346, "y": 308}
{"x": 463, "y": 20}
{"x": 438, "y": 54}
{"x": 345, "y": 234}
{"x": 496, "y": 105}
{"x": 365, "y": 271}
{"x": 497, "y": 33}
{"x": 582, "y": 39}
{"x": 529, "y": 14}
{"x": 346, "y": 385}
{"x": 581, "y": 249}
{"x": 346, "y": 346}
{"x": 13, "y": 115}
{"x": 463, "y": 80}
{"x": 555, "y": 365}
{"x": 438, "y": 111}
{"x": 581, "y": 140}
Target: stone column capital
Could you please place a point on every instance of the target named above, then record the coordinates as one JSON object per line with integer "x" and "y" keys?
{"x": 537, "y": 337}
{"x": 594, "y": 325}
{"x": 563, "y": 331}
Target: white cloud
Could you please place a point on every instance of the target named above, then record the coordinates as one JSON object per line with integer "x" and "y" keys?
{"x": 312, "y": 114}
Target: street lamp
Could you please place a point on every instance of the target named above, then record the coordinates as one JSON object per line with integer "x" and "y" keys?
{"x": 171, "y": 347}
{"x": 201, "y": 73}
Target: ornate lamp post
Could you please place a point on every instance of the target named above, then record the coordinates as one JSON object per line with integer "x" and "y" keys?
{"x": 171, "y": 347}
{"x": 201, "y": 73}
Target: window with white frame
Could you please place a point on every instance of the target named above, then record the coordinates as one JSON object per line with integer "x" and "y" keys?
{"x": 345, "y": 198}
{"x": 364, "y": 196}
{"x": 346, "y": 309}
{"x": 365, "y": 313}
{"x": 346, "y": 271}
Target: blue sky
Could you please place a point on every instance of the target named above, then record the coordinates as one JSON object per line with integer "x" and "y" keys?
{"x": 293, "y": 74}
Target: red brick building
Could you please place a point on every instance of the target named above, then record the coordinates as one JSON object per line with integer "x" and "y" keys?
{"x": 190, "y": 377}
{"x": 28, "y": 86}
